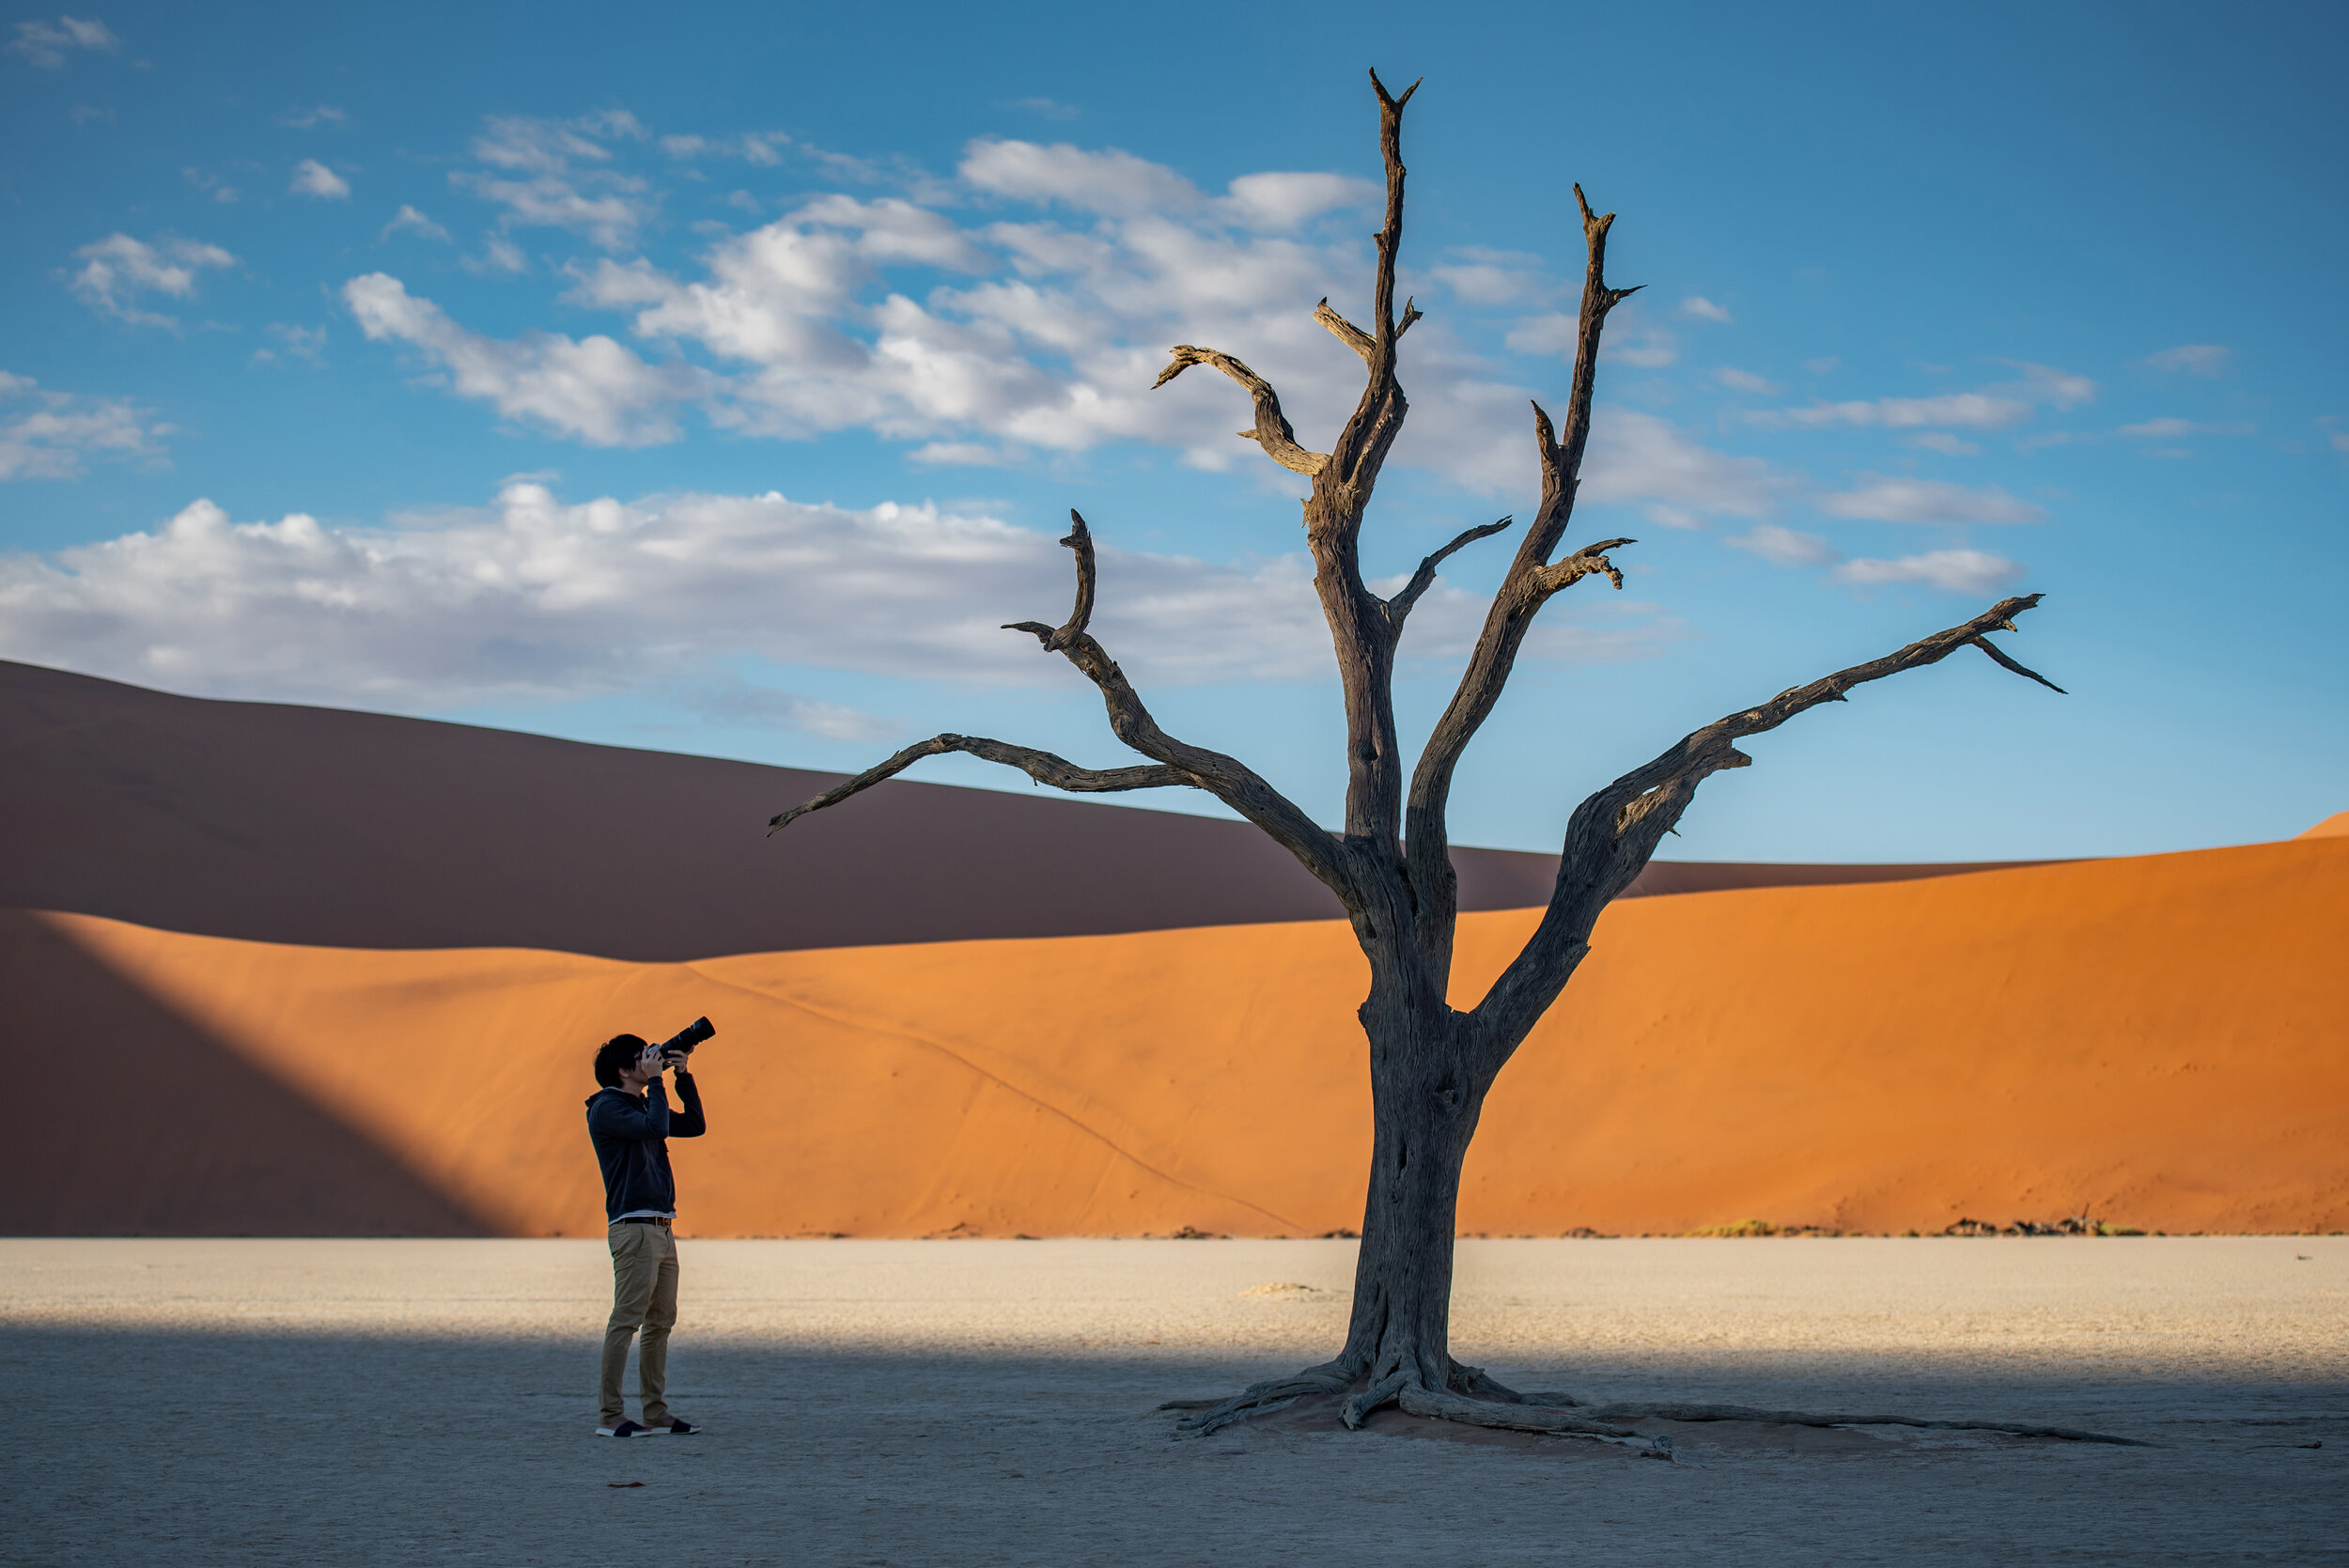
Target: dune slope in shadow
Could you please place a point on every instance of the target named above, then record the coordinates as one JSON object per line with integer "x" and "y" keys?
{"x": 289, "y": 823}
{"x": 149, "y": 1124}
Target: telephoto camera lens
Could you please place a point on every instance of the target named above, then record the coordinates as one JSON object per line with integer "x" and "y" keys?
{"x": 684, "y": 1040}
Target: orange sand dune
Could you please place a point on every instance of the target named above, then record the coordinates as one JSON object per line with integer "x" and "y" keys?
{"x": 2335, "y": 826}
{"x": 2156, "y": 1041}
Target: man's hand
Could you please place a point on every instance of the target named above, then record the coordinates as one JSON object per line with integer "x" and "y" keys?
{"x": 651, "y": 1063}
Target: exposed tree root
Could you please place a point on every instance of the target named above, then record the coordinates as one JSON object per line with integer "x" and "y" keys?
{"x": 1476, "y": 1400}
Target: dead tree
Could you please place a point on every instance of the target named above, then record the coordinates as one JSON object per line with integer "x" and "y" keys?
{"x": 1390, "y": 866}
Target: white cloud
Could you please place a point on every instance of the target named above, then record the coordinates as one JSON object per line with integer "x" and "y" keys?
{"x": 1957, "y": 571}
{"x": 1966, "y": 410}
{"x": 409, "y": 219}
{"x": 1696, "y": 307}
{"x": 314, "y": 117}
{"x": 1277, "y": 203}
{"x": 307, "y": 344}
{"x": 594, "y": 389}
{"x": 1822, "y": 366}
{"x": 45, "y": 43}
{"x": 552, "y": 175}
{"x": 498, "y": 255}
{"x": 1638, "y": 457}
{"x": 1989, "y": 409}
{"x": 763, "y": 147}
{"x": 1480, "y": 276}
{"x": 1111, "y": 182}
{"x": 118, "y": 270}
{"x": 2191, "y": 359}
{"x": 981, "y": 341}
{"x": 1942, "y": 442}
{"x": 2041, "y": 383}
{"x": 50, "y": 438}
{"x": 2171, "y": 429}
{"x": 1902, "y": 499}
{"x": 205, "y": 180}
{"x": 534, "y": 597}
{"x": 1785, "y": 547}
{"x": 314, "y": 179}
{"x": 1746, "y": 381}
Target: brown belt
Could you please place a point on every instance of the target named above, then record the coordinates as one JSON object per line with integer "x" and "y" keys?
{"x": 643, "y": 1219}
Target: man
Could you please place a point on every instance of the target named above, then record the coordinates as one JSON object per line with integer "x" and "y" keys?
{"x": 630, "y": 1122}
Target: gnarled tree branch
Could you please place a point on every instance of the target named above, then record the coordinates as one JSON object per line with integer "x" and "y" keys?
{"x": 1057, "y": 639}
{"x": 1612, "y": 833}
{"x": 1273, "y": 432}
{"x": 1227, "y": 779}
{"x": 1043, "y": 767}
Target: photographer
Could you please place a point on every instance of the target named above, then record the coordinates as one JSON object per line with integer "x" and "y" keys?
{"x": 630, "y": 1122}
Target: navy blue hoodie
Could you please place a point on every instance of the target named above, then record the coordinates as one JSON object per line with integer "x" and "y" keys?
{"x": 630, "y": 1133}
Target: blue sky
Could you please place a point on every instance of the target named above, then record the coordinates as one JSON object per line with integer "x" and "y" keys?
{"x": 717, "y": 379}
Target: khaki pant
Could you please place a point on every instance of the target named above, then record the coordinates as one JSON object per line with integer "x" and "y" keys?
{"x": 643, "y": 1295}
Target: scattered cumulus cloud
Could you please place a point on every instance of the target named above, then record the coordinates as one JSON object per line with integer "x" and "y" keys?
{"x": 46, "y": 44}
{"x": 2042, "y": 383}
{"x": 306, "y": 344}
{"x": 762, "y": 147}
{"x": 51, "y": 435}
{"x": 1046, "y": 108}
{"x": 1988, "y": 408}
{"x": 1479, "y": 276}
{"x": 1696, "y": 307}
{"x": 1942, "y": 442}
{"x": 1965, "y": 410}
{"x": 534, "y": 597}
{"x": 2173, "y": 429}
{"x": 118, "y": 271}
{"x": 1957, "y": 571}
{"x": 1639, "y": 458}
{"x": 2191, "y": 359}
{"x": 594, "y": 389}
{"x": 314, "y": 179}
{"x": 1033, "y": 319}
{"x": 1892, "y": 498}
{"x": 407, "y": 220}
{"x": 314, "y": 117}
{"x": 1746, "y": 381}
{"x": 1785, "y": 547}
{"x": 555, "y": 174}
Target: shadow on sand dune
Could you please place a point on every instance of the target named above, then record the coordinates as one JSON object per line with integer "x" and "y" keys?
{"x": 162, "y": 1130}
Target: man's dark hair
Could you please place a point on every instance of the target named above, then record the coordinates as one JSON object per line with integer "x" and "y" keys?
{"x": 618, "y": 1052}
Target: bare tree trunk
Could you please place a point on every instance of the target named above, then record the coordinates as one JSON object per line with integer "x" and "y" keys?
{"x": 1423, "y": 1115}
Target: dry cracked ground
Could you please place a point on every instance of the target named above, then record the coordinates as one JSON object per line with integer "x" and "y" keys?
{"x": 199, "y": 1402}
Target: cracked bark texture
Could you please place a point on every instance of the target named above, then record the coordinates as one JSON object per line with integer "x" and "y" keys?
{"x": 1389, "y": 862}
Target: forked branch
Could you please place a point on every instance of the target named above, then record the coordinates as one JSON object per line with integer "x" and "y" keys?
{"x": 1227, "y": 779}
{"x": 1532, "y": 578}
{"x": 1060, "y": 638}
{"x": 1613, "y": 832}
{"x": 1423, "y": 578}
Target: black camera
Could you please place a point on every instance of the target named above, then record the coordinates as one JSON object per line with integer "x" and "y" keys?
{"x": 684, "y": 1040}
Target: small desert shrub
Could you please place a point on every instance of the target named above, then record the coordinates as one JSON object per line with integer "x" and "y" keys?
{"x": 1743, "y": 1228}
